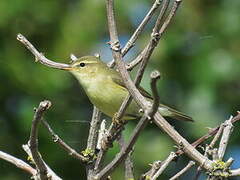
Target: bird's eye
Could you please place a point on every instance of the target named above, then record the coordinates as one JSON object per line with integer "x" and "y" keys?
{"x": 82, "y": 64}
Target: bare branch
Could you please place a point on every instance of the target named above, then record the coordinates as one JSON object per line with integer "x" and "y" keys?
{"x": 158, "y": 31}
{"x": 147, "y": 116}
{"x": 228, "y": 127}
{"x": 164, "y": 165}
{"x": 63, "y": 145}
{"x": 137, "y": 60}
{"x": 216, "y": 137}
{"x": 33, "y": 140}
{"x": 155, "y": 75}
{"x": 93, "y": 138}
{"x": 129, "y": 167}
{"x": 235, "y": 172}
{"x": 158, "y": 119}
{"x": 137, "y": 81}
{"x": 123, "y": 107}
{"x": 211, "y": 133}
{"x": 125, "y": 150}
{"x": 107, "y": 140}
{"x": 141, "y": 124}
{"x": 180, "y": 173}
{"x": 128, "y": 162}
{"x": 39, "y": 56}
{"x": 209, "y": 150}
{"x": 102, "y": 150}
{"x": 162, "y": 13}
{"x": 140, "y": 28}
{"x": 18, "y": 162}
{"x": 168, "y": 20}
{"x": 155, "y": 37}
{"x": 51, "y": 174}
{"x": 138, "y": 31}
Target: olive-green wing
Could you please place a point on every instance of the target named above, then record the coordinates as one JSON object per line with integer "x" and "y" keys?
{"x": 117, "y": 79}
{"x": 164, "y": 110}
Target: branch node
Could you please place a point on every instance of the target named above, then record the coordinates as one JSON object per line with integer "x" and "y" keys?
{"x": 156, "y": 74}
{"x": 115, "y": 46}
{"x": 55, "y": 138}
{"x": 155, "y": 36}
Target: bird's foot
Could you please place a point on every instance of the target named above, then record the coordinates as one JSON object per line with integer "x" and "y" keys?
{"x": 117, "y": 121}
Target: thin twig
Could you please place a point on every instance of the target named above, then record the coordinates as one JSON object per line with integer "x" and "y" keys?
{"x": 51, "y": 174}
{"x": 140, "y": 28}
{"x": 209, "y": 150}
{"x": 155, "y": 75}
{"x": 164, "y": 165}
{"x": 216, "y": 137}
{"x": 228, "y": 127}
{"x": 180, "y": 173}
{"x": 64, "y": 145}
{"x": 128, "y": 164}
{"x": 211, "y": 133}
{"x": 126, "y": 102}
{"x": 39, "y": 56}
{"x": 155, "y": 166}
{"x": 33, "y": 140}
{"x": 138, "y": 31}
{"x": 18, "y": 162}
{"x": 155, "y": 37}
{"x": 162, "y": 13}
{"x": 98, "y": 163}
{"x": 158, "y": 30}
{"x": 235, "y": 172}
{"x": 137, "y": 60}
{"x": 129, "y": 174}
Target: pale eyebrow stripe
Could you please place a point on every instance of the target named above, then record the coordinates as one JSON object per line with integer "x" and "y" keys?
{"x": 88, "y": 62}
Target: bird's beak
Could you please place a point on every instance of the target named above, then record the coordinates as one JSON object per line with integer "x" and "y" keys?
{"x": 67, "y": 68}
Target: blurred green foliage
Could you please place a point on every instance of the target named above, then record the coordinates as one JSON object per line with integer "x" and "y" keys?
{"x": 199, "y": 58}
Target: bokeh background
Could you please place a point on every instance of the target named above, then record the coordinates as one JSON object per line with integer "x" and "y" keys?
{"x": 198, "y": 57}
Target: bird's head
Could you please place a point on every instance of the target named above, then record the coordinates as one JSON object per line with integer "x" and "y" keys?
{"x": 87, "y": 68}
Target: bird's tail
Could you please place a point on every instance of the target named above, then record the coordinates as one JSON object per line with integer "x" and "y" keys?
{"x": 172, "y": 113}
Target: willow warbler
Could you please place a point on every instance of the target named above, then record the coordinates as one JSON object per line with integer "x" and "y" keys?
{"x": 105, "y": 89}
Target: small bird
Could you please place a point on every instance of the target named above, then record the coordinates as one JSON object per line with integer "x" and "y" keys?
{"x": 106, "y": 90}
